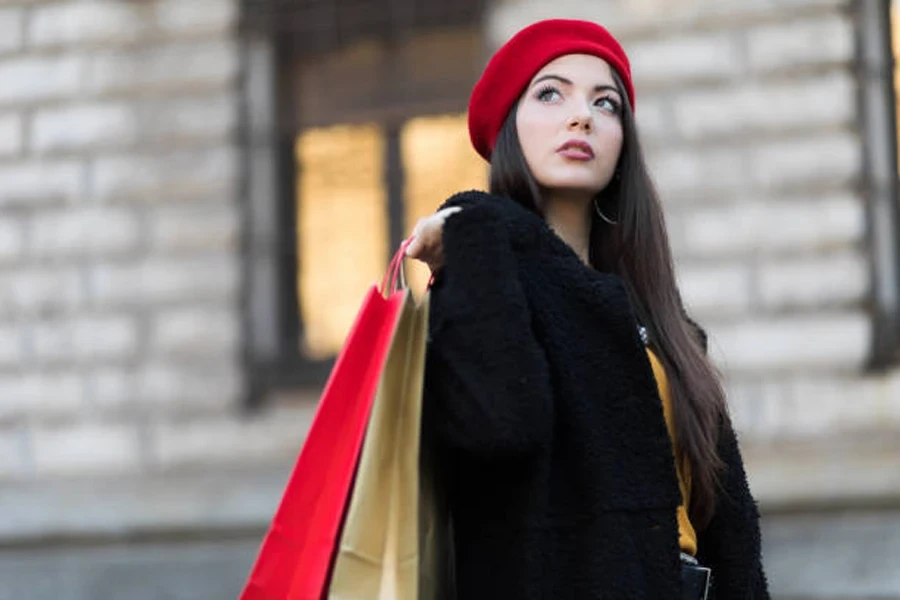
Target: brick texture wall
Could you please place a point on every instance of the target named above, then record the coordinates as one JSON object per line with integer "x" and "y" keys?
{"x": 120, "y": 274}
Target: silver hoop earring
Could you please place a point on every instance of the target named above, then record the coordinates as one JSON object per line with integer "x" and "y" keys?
{"x": 601, "y": 215}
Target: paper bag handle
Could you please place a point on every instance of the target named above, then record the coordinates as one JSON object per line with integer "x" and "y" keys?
{"x": 396, "y": 272}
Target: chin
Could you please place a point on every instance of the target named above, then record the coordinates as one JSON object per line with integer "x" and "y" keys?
{"x": 589, "y": 185}
{"x": 574, "y": 177}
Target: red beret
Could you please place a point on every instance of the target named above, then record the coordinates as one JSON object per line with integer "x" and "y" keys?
{"x": 526, "y": 53}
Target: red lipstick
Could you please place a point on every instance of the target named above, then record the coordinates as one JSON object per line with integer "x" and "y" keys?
{"x": 576, "y": 150}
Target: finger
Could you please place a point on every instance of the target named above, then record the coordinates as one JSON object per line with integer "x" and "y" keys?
{"x": 414, "y": 248}
{"x": 428, "y": 235}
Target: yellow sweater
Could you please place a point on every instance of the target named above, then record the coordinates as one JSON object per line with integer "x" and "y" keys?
{"x": 687, "y": 537}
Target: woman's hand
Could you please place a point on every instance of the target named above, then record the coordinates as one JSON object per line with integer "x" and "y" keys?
{"x": 428, "y": 241}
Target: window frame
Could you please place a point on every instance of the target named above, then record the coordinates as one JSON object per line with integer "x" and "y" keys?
{"x": 881, "y": 176}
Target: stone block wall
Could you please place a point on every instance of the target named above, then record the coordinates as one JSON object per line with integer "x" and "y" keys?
{"x": 121, "y": 306}
{"x": 122, "y": 383}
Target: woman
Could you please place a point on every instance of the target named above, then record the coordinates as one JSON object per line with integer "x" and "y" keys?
{"x": 583, "y": 431}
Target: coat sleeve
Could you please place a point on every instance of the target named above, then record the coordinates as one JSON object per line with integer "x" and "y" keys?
{"x": 730, "y": 545}
{"x": 487, "y": 385}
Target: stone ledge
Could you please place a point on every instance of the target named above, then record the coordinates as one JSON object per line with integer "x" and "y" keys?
{"x": 785, "y": 477}
{"x": 853, "y": 470}
{"x": 129, "y": 507}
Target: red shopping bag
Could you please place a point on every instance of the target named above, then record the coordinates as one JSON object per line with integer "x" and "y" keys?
{"x": 295, "y": 556}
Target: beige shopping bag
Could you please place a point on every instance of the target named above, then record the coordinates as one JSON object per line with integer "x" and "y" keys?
{"x": 379, "y": 553}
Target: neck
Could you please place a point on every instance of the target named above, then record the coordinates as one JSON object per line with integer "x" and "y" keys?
{"x": 569, "y": 215}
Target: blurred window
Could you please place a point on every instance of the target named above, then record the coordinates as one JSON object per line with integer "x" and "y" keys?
{"x": 438, "y": 160}
{"x": 343, "y": 217}
{"x": 342, "y": 229}
{"x": 370, "y": 135}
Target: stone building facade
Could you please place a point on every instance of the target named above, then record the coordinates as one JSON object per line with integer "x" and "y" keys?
{"x": 150, "y": 404}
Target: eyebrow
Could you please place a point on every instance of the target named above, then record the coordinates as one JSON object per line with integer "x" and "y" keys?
{"x": 597, "y": 88}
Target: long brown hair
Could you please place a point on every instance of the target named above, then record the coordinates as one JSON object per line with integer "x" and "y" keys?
{"x": 637, "y": 249}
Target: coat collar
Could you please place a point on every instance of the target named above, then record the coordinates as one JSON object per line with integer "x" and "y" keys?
{"x": 530, "y": 234}
{"x": 528, "y": 231}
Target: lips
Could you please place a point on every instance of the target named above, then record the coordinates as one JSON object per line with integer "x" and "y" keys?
{"x": 577, "y": 150}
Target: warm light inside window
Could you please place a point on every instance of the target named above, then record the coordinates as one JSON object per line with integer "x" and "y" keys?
{"x": 895, "y": 43}
{"x": 342, "y": 229}
{"x": 438, "y": 161}
{"x": 342, "y": 214}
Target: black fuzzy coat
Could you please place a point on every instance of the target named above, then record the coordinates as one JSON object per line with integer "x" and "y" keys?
{"x": 542, "y": 402}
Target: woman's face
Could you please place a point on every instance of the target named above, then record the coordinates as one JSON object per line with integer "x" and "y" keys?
{"x": 569, "y": 124}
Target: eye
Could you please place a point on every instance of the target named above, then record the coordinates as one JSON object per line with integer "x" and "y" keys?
{"x": 608, "y": 103}
{"x": 548, "y": 94}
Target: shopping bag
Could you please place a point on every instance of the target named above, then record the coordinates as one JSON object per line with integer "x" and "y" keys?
{"x": 396, "y": 541}
{"x": 379, "y": 549}
{"x": 296, "y": 554}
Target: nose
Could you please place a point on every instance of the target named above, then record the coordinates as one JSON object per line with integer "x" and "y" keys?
{"x": 583, "y": 123}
